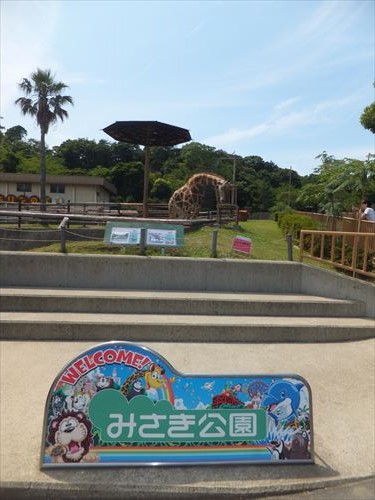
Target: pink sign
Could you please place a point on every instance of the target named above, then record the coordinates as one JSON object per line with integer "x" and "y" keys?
{"x": 241, "y": 244}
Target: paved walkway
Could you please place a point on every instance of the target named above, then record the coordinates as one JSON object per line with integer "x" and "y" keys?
{"x": 341, "y": 376}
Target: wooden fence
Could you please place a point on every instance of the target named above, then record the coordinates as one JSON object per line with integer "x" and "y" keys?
{"x": 225, "y": 213}
{"x": 345, "y": 225}
{"x": 351, "y": 251}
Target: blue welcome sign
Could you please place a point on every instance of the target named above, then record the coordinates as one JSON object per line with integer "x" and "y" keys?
{"x": 120, "y": 404}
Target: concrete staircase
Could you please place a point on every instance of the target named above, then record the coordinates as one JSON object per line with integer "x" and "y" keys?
{"x": 204, "y": 316}
{"x": 30, "y": 313}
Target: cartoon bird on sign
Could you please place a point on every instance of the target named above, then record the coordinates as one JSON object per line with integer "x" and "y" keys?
{"x": 208, "y": 386}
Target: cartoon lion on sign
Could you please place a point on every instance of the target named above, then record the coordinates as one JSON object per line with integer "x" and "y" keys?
{"x": 70, "y": 437}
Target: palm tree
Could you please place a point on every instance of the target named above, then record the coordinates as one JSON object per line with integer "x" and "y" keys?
{"x": 43, "y": 101}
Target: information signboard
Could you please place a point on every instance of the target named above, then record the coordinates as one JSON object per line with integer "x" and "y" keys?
{"x": 120, "y": 404}
{"x": 125, "y": 235}
{"x": 129, "y": 233}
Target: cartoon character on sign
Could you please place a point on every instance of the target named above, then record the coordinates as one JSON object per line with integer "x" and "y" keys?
{"x": 296, "y": 450}
{"x": 134, "y": 385}
{"x": 256, "y": 390}
{"x": 70, "y": 437}
{"x": 58, "y": 403}
{"x": 104, "y": 382}
{"x": 153, "y": 379}
{"x": 78, "y": 402}
{"x": 299, "y": 446}
{"x": 282, "y": 399}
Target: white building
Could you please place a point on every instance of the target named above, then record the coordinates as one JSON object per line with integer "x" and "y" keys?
{"x": 59, "y": 188}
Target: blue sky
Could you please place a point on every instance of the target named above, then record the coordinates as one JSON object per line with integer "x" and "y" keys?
{"x": 284, "y": 80}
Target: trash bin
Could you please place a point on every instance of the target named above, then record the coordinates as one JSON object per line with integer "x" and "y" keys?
{"x": 243, "y": 215}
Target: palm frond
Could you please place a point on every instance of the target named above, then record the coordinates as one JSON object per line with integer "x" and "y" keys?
{"x": 26, "y": 86}
{"x": 28, "y": 107}
{"x": 46, "y": 101}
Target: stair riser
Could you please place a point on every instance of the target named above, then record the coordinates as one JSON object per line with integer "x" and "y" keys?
{"x": 179, "y": 306}
{"x": 179, "y": 333}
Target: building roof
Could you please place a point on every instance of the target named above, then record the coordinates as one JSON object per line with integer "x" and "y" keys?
{"x": 86, "y": 180}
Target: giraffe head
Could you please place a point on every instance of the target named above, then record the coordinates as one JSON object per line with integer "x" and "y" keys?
{"x": 154, "y": 376}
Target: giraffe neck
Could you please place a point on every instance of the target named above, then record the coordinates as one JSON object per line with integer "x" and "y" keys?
{"x": 129, "y": 381}
{"x": 206, "y": 179}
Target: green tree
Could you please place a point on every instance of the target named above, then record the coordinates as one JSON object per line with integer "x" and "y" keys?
{"x": 339, "y": 184}
{"x": 80, "y": 154}
{"x": 9, "y": 160}
{"x": 128, "y": 179}
{"x": 368, "y": 117}
{"x": 15, "y": 134}
{"x": 44, "y": 101}
{"x": 198, "y": 157}
{"x": 122, "y": 152}
{"x": 161, "y": 189}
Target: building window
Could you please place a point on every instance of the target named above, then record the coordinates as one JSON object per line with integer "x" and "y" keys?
{"x": 24, "y": 187}
{"x": 58, "y": 188}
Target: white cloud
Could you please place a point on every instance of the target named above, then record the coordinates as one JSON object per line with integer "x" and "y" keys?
{"x": 179, "y": 404}
{"x": 281, "y": 122}
{"x": 196, "y": 28}
{"x": 281, "y": 106}
{"x": 318, "y": 41}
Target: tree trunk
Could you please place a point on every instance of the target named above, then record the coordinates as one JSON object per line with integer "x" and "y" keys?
{"x": 42, "y": 172}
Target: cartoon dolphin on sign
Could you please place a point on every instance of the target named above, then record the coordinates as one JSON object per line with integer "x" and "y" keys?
{"x": 282, "y": 399}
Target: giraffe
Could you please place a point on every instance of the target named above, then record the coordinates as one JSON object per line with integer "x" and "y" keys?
{"x": 153, "y": 377}
{"x": 133, "y": 385}
{"x": 185, "y": 203}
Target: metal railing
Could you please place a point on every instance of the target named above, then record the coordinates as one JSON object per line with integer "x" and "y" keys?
{"x": 351, "y": 251}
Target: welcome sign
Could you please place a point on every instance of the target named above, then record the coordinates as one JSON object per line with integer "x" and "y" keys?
{"x": 121, "y": 404}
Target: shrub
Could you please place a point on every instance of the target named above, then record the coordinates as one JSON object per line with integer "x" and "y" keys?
{"x": 292, "y": 223}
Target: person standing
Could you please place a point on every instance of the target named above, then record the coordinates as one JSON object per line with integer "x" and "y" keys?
{"x": 368, "y": 213}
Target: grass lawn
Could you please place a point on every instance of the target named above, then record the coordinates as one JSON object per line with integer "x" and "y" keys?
{"x": 268, "y": 243}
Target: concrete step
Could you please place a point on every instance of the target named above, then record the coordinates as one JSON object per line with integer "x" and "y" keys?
{"x": 181, "y": 328}
{"x": 176, "y": 302}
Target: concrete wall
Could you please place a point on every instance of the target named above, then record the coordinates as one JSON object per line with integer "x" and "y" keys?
{"x": 174, "y": 273}
{"x": 137, "y": 272}
{"x": 317, "y": 281}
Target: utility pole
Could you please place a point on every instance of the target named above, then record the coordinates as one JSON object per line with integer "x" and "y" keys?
{"x": 290, "y": 185}
{"x": 234, "y": 168}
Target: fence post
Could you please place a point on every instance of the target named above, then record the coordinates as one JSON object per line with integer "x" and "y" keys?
{"x": 289, "y": 241}
{"x": 301, "y": 246}
{"x": 62, "y": 227}
{"x": 214, "y": 243}
{"x": 142, "y": 243}
{"x": 354, "y": 255}
{"x": 19, "y": 218}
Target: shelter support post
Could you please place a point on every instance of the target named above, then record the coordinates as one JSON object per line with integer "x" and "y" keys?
{"x": 145, "y": 180}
